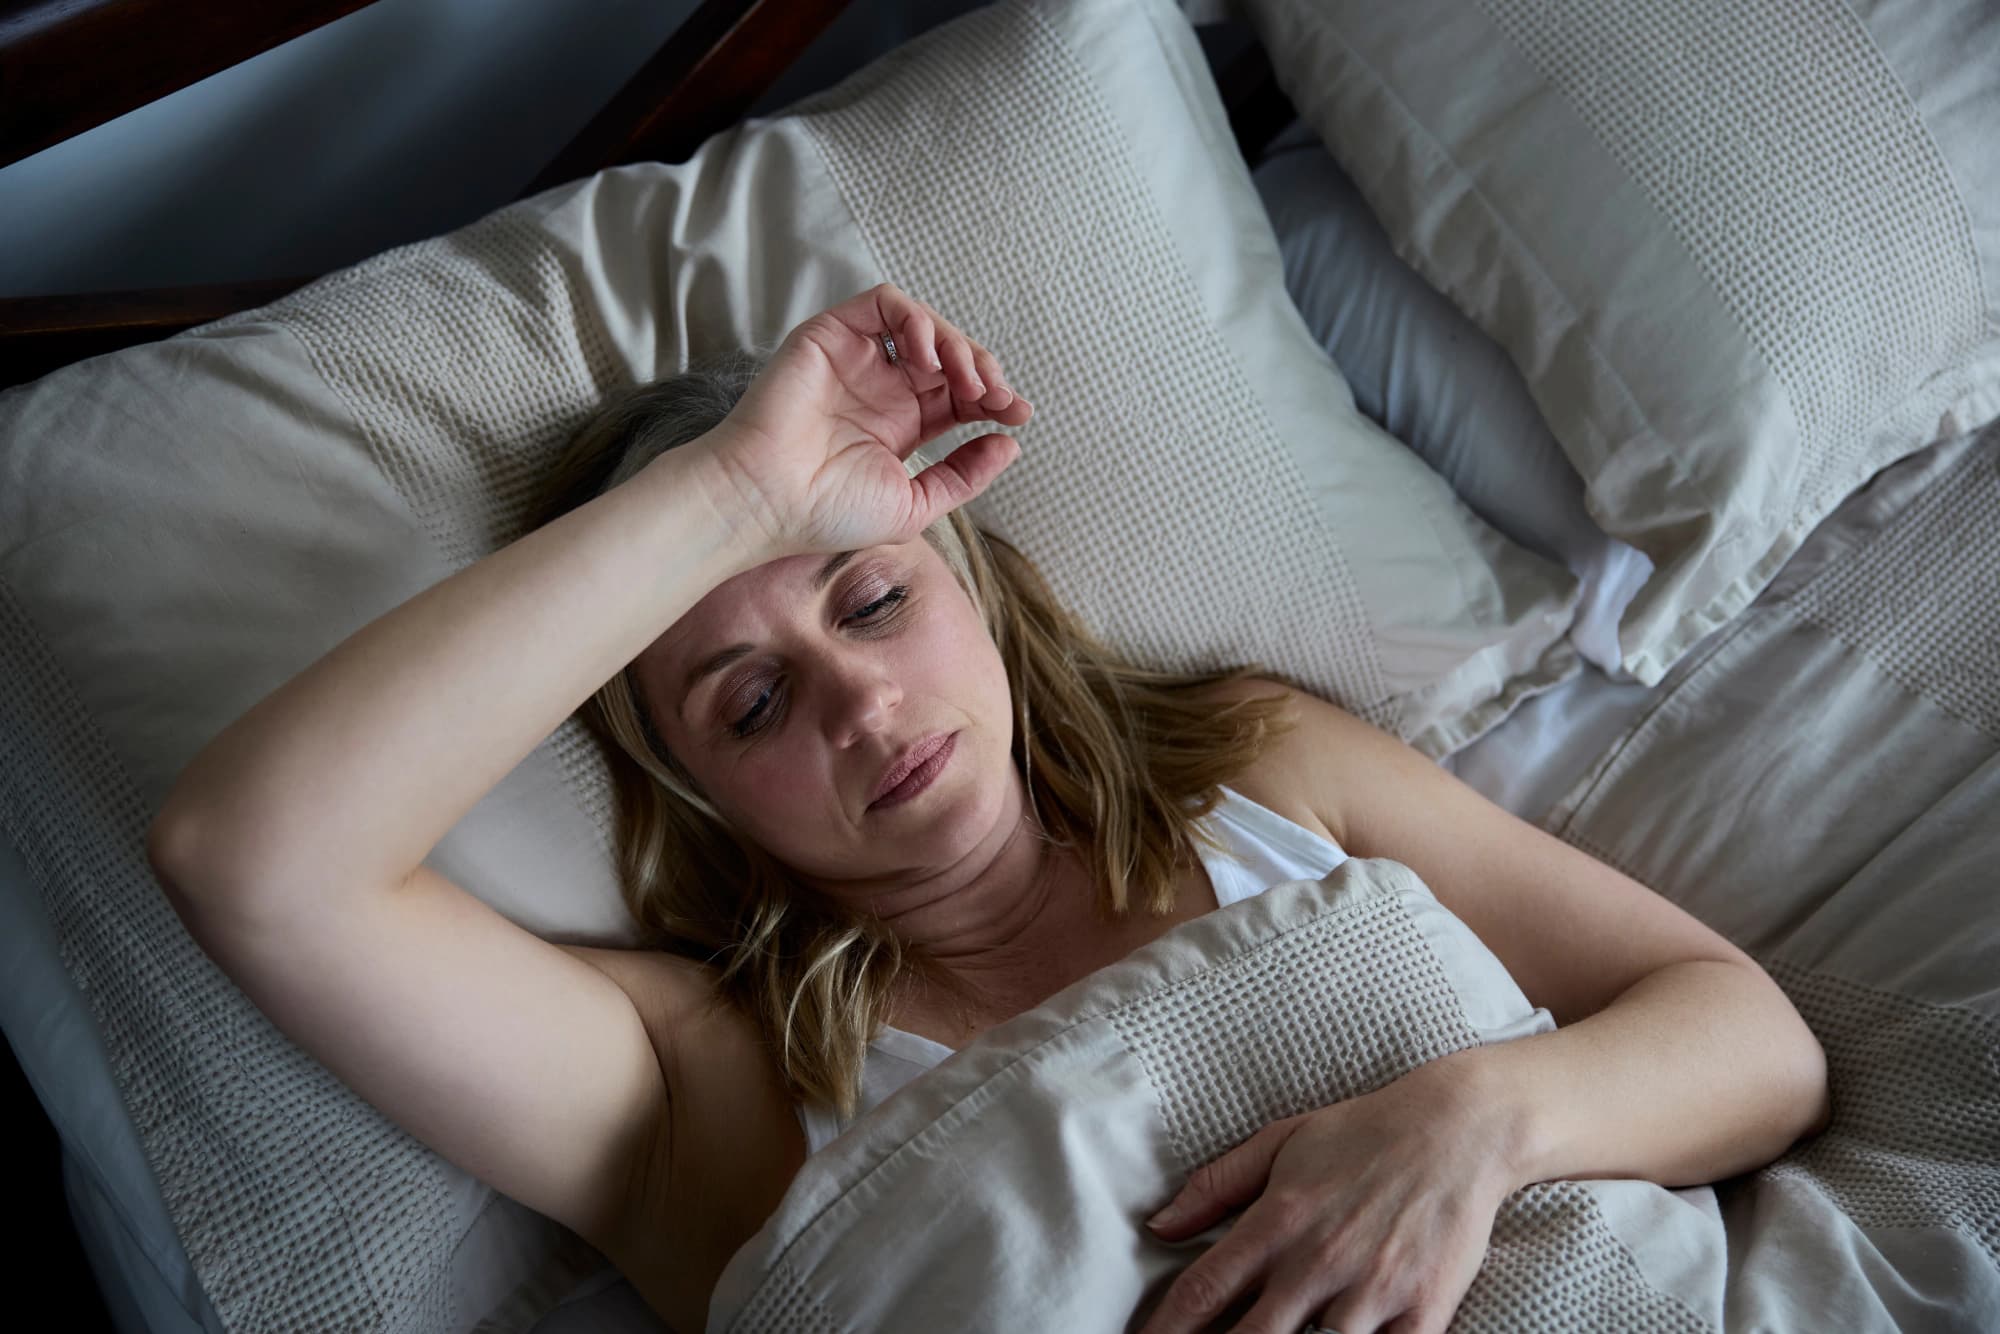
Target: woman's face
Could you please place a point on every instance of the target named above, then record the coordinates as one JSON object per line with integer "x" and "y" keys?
{"x": 791, "y": 739}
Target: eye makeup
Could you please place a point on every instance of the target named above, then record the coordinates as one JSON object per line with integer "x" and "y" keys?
{"x": 759, "y": 710}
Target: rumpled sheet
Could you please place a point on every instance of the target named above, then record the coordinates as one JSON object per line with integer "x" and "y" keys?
{"x": 1819, "y": 783}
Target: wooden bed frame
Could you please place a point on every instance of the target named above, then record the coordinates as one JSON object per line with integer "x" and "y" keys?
{"x": 704, "y": 78}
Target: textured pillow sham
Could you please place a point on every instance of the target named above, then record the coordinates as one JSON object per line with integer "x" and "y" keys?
{"x": 1744, "y": 256}
{"x": 186, "y": 525}
{"x": 1429, "y": 377}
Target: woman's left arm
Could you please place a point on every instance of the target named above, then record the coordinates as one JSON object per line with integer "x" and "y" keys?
{"x": 1700, "y": 1070}
{"x": 1676, "y": 1059}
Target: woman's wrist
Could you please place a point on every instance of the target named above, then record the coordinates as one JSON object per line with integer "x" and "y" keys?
{"x": 1479, "y": 1098}
{"x": 741, "y": 536}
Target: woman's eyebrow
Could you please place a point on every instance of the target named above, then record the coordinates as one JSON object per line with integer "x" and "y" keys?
{"x": 832, "y": 567}
{"x": 715, "y": 662}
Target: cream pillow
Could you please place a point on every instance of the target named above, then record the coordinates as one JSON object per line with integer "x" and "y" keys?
{"x": 186, "y": 525}
{"x": 1745, "y": 255}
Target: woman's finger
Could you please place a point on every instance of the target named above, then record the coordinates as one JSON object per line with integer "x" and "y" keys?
{"x": 915, "y": 327}
{"x": 882, "y": 308}
{"x": 916, "y": 345}
{"x": 1016, "y": 413}
{"x": 1315, "y": 1278}
{"x": 956, "y": 351}
{"x": 1205, "y": 1289}
{"x": 965, "y": 364}
{"x": 1231, "y": 1181}
{"x": 939, "y": 410}
{"x": 1359, "y": 1307}
{"x": 998, "y": 395}
{"x": 1000, "y": 402}
{"x": 973, "y": 383}
{"x": 963, "y": 474}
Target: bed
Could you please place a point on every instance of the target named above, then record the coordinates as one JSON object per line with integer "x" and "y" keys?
{"x": 1619, "y": 429}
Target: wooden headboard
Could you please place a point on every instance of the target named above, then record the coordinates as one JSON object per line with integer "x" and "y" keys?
{"x": 703, "y": 79}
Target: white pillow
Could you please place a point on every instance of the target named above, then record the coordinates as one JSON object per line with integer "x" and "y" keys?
{"x": 189, "y": 524}
{"x": 1430, "y": 378}
{"x": 1743, "y": 255}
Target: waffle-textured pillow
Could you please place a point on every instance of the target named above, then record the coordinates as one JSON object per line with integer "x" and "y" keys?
{"x": 1430, "y": 378}
{"x": 185, "y": 526}
{"x": 1744, "y": 255}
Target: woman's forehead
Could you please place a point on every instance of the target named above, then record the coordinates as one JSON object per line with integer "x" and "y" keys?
{"x": 732, "y": 604}
{"x": 734, "y": 608}
{"x": 781, "y": 582}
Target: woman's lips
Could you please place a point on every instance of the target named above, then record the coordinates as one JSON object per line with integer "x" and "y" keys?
{"x": 920, "y": 777}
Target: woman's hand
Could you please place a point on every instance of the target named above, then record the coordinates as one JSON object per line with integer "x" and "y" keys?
{"x": 815, "y": 447}
{"x": 1370, "y": 1215}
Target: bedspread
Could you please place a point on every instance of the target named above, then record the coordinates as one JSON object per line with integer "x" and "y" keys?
{"x": 1007, "y": 1188}
{"x": 1822, "y": 786}
{"x": 1819, "y": 783}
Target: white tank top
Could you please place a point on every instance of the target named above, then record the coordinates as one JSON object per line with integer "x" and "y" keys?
{"x": 1265, "y": 849}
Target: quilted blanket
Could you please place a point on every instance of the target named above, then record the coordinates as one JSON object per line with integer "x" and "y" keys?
{"x": 1820, "y": 783}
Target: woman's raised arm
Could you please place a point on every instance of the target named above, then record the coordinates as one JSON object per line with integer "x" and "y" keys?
{"x": 350, "y": 773}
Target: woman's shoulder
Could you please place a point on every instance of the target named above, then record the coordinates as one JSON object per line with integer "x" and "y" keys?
{"x": 1289, "y": 776}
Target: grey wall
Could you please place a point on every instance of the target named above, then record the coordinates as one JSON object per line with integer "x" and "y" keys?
{"x": 398, "y": 122}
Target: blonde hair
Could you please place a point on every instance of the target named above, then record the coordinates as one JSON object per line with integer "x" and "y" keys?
{"x": 1119, "y": 763}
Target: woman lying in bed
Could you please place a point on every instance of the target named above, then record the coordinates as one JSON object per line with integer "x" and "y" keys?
{"x": 877, "y": 777}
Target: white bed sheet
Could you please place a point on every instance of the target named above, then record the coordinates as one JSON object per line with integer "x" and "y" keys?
{"x": 1547, "y": 744}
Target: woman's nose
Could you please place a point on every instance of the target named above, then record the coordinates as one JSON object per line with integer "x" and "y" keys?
{"x": 862, "y": 699}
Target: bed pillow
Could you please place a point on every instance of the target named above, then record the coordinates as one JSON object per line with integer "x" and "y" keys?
{"x": 186, "y": 525}
{"x": 1744, "y": 256}
{"x": 1429, "y": 377}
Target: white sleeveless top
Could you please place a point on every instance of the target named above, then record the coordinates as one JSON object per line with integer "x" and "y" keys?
{"x": 1265, "y": 849}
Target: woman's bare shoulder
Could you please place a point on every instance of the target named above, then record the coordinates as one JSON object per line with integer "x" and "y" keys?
{"x": 1290, "y": 776}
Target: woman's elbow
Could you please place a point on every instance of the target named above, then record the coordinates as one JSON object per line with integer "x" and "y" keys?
{"x": 1819, "y": 1089}
{"x": 1809, "y": 1104}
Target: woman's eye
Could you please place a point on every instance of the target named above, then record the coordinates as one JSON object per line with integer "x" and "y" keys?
{"x": 749, "y": 724}
{"x": 889, "y": 599}
{"x": 743, "y": 726}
